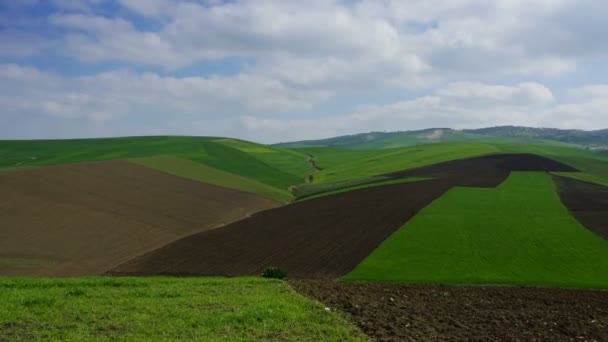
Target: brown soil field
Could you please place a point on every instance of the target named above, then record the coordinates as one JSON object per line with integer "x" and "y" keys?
{"x": 397, "y": 312}
{"x": 325, "y": 237}
{"x": 85, "y": 218}
{"x": 485, "y": 171}
{"x": 587, "y": 202}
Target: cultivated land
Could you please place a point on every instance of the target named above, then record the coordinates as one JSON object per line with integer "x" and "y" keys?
{"x": 148, "y": 213}
{"x": 587, "y": 202}
{"x": 397, "y": 312}
{"x": 518, "y": 233}
{"x": 164, "y": 309}
{"x": 85, "y": 218}
{"x": 326, "y": 237}
{"x": 275, "y": 167}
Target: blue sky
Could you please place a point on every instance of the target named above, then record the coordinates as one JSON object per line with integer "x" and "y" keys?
{"x": 274, "y": 71}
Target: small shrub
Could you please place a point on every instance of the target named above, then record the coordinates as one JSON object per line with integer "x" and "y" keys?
{"x": 274, "y": 273}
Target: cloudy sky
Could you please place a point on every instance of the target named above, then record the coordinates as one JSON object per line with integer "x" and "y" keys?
{"x": 283, "y": 70}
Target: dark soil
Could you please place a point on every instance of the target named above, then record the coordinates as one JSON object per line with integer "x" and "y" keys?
{"x": 587, "y": 202}
{"x": 320, "y": 238}
{"x": 85, "y": 218}
{"x": 485, "y": 171}
{"x": 329, "y": 236}
{"x": 393, "y": 312}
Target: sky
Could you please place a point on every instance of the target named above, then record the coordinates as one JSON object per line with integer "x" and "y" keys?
{"x": 285, "y": 70}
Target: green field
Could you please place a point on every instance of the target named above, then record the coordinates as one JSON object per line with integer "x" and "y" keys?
{"x": 272, "y": 166}
{"x": 272, "y": 170}
{"x": 517, "y": 233}
{"x": 190, "y": 169}
{"x": 164, "y": 309}
{"x": 342, "y": 167}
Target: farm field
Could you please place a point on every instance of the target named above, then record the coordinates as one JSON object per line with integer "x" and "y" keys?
{"x": 587, "y": 202}
{"x": 168, "y": 309}
{"x": 325, "y": 237}
{"x": 275, "y": 167}
{"x": 200, "y": 172}
{"x": 343, "y": 167}
{"x": 399, "y": 312}
{"x": 84, "y": 218}
{"x": 518, "y": 233}
{"x": 368, "y": 222}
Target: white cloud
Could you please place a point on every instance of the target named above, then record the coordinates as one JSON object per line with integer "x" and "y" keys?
{"x": 465, "y": 62}
{"x": 593, "y": 91}
{"x": 413, "y": 40}
{"x": 103, "y": 96}
{"x": 528, "y": 93}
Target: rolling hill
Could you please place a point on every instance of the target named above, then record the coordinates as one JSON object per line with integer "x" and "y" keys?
{"x": 452, "y": 207}
{"x": 265, "y": 170}
{"x": 506, "y": 134}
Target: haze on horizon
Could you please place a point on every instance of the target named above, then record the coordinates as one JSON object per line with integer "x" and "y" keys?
{"x": 272, "y": 71}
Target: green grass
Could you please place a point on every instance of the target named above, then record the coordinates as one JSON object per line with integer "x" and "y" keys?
{"x": 187, "y": 168}
{"x": 362, "y": 186}
{"x": 164, "y": 309}
{"x": 341, "y": 165}
{"x": 273, "y": 166}
{"x": 518, "y": 233}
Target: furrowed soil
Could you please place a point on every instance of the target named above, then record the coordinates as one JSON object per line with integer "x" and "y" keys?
{"x": 318, "y": 238}
{"x": 85, "y": 218}
{"x": 329, "y": 236}
{"x": 397, "y": 312}
{"x": 587, "y": 202}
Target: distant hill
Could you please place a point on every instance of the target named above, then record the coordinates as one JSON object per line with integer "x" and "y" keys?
{"x": 597, "y": 138}
{"x": 513, "y": 134}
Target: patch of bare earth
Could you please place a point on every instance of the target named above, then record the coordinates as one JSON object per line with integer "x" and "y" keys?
{"x": 85, "y": 218}
{"x": 587, "y": 202}
{"x": 394, "y": 312}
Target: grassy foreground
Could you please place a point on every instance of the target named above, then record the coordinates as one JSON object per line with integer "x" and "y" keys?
{"x": 518, "y": 233}
{"x": 163, "y": 309}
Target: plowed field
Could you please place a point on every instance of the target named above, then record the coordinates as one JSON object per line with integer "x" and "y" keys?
{"x": 85, "y": 218}
{"x": 329, "y": 236}
{"x": 588, "y": 202}
{"x": 393, "y": 312}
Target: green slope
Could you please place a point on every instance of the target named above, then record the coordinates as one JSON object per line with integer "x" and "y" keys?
{"x": 272, "y": 166}
{"x": 518, "y": 233}
{"x": 187, "y": 168}
{"x": 164, "y": 309}
{"x": 344, "y": 167}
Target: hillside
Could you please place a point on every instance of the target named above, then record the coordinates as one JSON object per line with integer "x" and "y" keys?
{"x": 506, "y": 134}
{"x": 247, "y": 166}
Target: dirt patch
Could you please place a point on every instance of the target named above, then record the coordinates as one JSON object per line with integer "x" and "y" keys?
{"x": 484, "y": 171}
{"x": 587, "y": 202}
{"x": 85, "y": 218}
{"x": 325, "y": 237}
{"x": 393, "y": 312}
